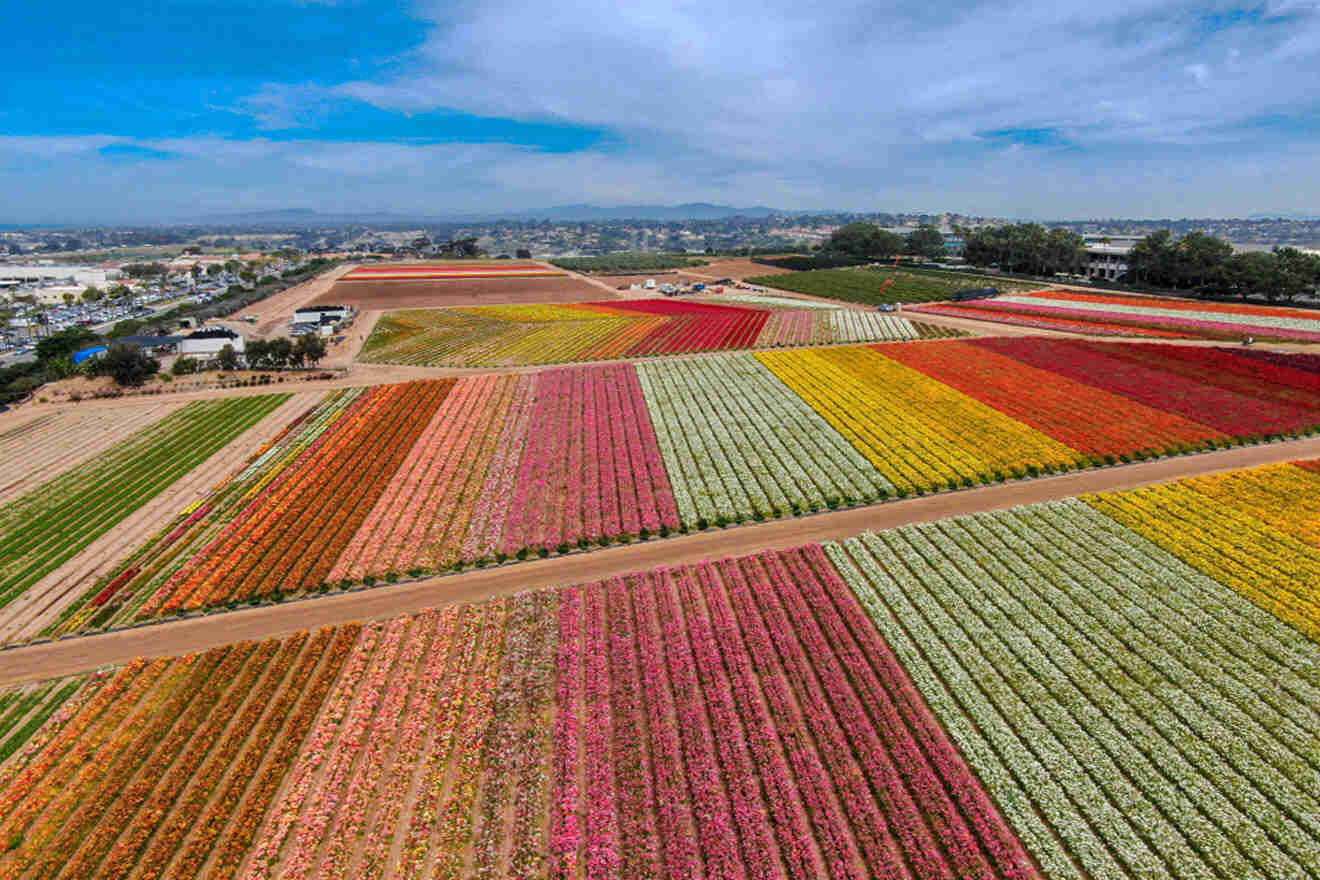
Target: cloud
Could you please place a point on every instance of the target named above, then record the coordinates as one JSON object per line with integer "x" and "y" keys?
{"x": 1199, "y": 72}
{"x": 1026, "y": 107}
{"x": 839, "y": 82}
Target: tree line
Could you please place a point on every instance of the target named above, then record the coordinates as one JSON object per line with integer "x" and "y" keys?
{"x": 1024, "y": 249}
{"x": 1196, "y": 263}
{"x": 867, "y": 241}
{"x": 1208, "y": 267}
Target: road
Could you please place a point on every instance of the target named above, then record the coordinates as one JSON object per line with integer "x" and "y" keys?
{"x": 69, "y": 656}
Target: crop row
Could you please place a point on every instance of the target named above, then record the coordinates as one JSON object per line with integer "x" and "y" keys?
{"x": 1067, "y": 690}
{"x": 169, "y": 765}
{"x": 1127, "y": 315}
{"x": 1132, "y": 716}
{"x": 421, "y": 477}
{"x": 51, "y": 523}
{"x": 539, "y": 334}
{"x": 665, "y": 718}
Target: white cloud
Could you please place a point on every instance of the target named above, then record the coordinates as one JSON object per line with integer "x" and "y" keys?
{"x": 1199, "y": 72}
{"x": 1150, "y": 106}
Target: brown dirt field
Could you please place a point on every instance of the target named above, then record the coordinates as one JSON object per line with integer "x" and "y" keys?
{"x": 41, "y": 452}
{"x": 70, "y": 656}
{"x": 274, "y": 313}
{"x": 39, "y": 606}
{"x": 737, "y": 269}
{"x": 383, "y": 295}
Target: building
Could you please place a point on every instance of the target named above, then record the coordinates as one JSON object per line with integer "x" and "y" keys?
{"x": 81, "y": 276}
{"x": 317, "y": 314}
{"x": 156, "y": 345}
{"x": 1108, "y": 262}
{"x": 207, "y": 342}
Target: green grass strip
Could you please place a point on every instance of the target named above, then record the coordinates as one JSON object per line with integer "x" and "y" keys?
{"x": 52, "y": 523}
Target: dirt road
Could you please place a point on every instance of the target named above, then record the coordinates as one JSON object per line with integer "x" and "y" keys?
{"x": 70, "y": 656}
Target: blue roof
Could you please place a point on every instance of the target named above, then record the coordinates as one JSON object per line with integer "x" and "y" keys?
{"x": 80, "y": 356}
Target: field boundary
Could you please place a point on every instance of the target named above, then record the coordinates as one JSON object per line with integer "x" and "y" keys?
{"x": 43, "y": 659}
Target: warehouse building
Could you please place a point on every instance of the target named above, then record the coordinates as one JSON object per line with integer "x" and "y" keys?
{"x": 207, "y": 342}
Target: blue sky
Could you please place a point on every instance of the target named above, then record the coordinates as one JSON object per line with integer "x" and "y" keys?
{"x": 151, "y": 110}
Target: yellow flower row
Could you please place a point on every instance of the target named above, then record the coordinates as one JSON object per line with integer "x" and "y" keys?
{"x": 919, "y": 432}
{"x": 1283, "y": 495}
{"x": 535, "y": 314}
{"x": 1274, "y": 569}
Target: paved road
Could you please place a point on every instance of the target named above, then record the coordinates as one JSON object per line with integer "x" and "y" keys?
{"x": 70, "y": 656}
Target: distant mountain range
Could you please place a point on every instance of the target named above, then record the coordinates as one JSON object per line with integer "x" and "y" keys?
{"x": 567, "y": 213}
{"x": 1268, "y": 216}
{"x": 689, "y": 211}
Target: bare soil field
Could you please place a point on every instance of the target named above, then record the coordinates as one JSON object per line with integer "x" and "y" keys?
{"x": 70, "y": 656}
{"x": 274, "y": 314}
{"x": 35, "y": 450}
{"x": 39, "y": 606}
{"x": 384, "y": 295}
{"x": 738, "y": 269}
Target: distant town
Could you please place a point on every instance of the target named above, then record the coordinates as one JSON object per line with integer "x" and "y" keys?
{"x": 118, "y": 280}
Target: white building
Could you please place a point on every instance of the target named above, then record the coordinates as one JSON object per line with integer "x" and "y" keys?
{"x": 82, "y": 276}
{"x": 1107, "y": 261}
{"x": 317, "y": 314}
{"x": 207, "y": 342}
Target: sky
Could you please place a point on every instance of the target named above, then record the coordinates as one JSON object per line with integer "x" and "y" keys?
{"x": 137, "y": 111}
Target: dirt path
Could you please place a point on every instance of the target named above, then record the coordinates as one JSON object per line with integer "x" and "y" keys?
{"x": 274, "y": 313}
{"x": 69, "y": 656}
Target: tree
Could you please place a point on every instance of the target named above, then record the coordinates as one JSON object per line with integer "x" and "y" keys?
{"x": 145, "y": 270}
{"x": 126, "y": 327}
{"x": 926, "y": 242}
{"x": 69, "y": 299}
{"x": 311, "y": 348}
{"x": 227, "y": 358}
{"x": 128, "y": 364}
{"x": 257, "y": 353}
{"x": 1296, "y": 273}
{"x": 279, "y": 350}
{"x": 1198, "y": 259}
{"x": 864, "y": 241}
{"x": 92, "y": 294}
{"x": 1247, "y": 275}
{"x": 1151, "y": 260}
{"x": 1023, "y": 247}
{"x": 65, "y": 342}
{"x": 61, "y": 367}
{"x": 185, "y": 366}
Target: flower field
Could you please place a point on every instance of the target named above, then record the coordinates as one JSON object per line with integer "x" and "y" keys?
{"x": 1062, "y": 690}
{"x": 1113, "y": 315}
{"x": 872, "y": 286}
{"x": 481, "y": 336}
{"x": 401, "y": 480}
{"x": 437, "y": 271}
{"x": 52, "y": 522}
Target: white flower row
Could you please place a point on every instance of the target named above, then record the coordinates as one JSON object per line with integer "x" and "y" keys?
{"x": 741, "y": 443}
{"x": 851, "y": 325}
{"x": 1145, "y": 713}
{"x": 1258, "y": 320}
{"x": 768, "y": 299}
{"x": 1169, "y": 716}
